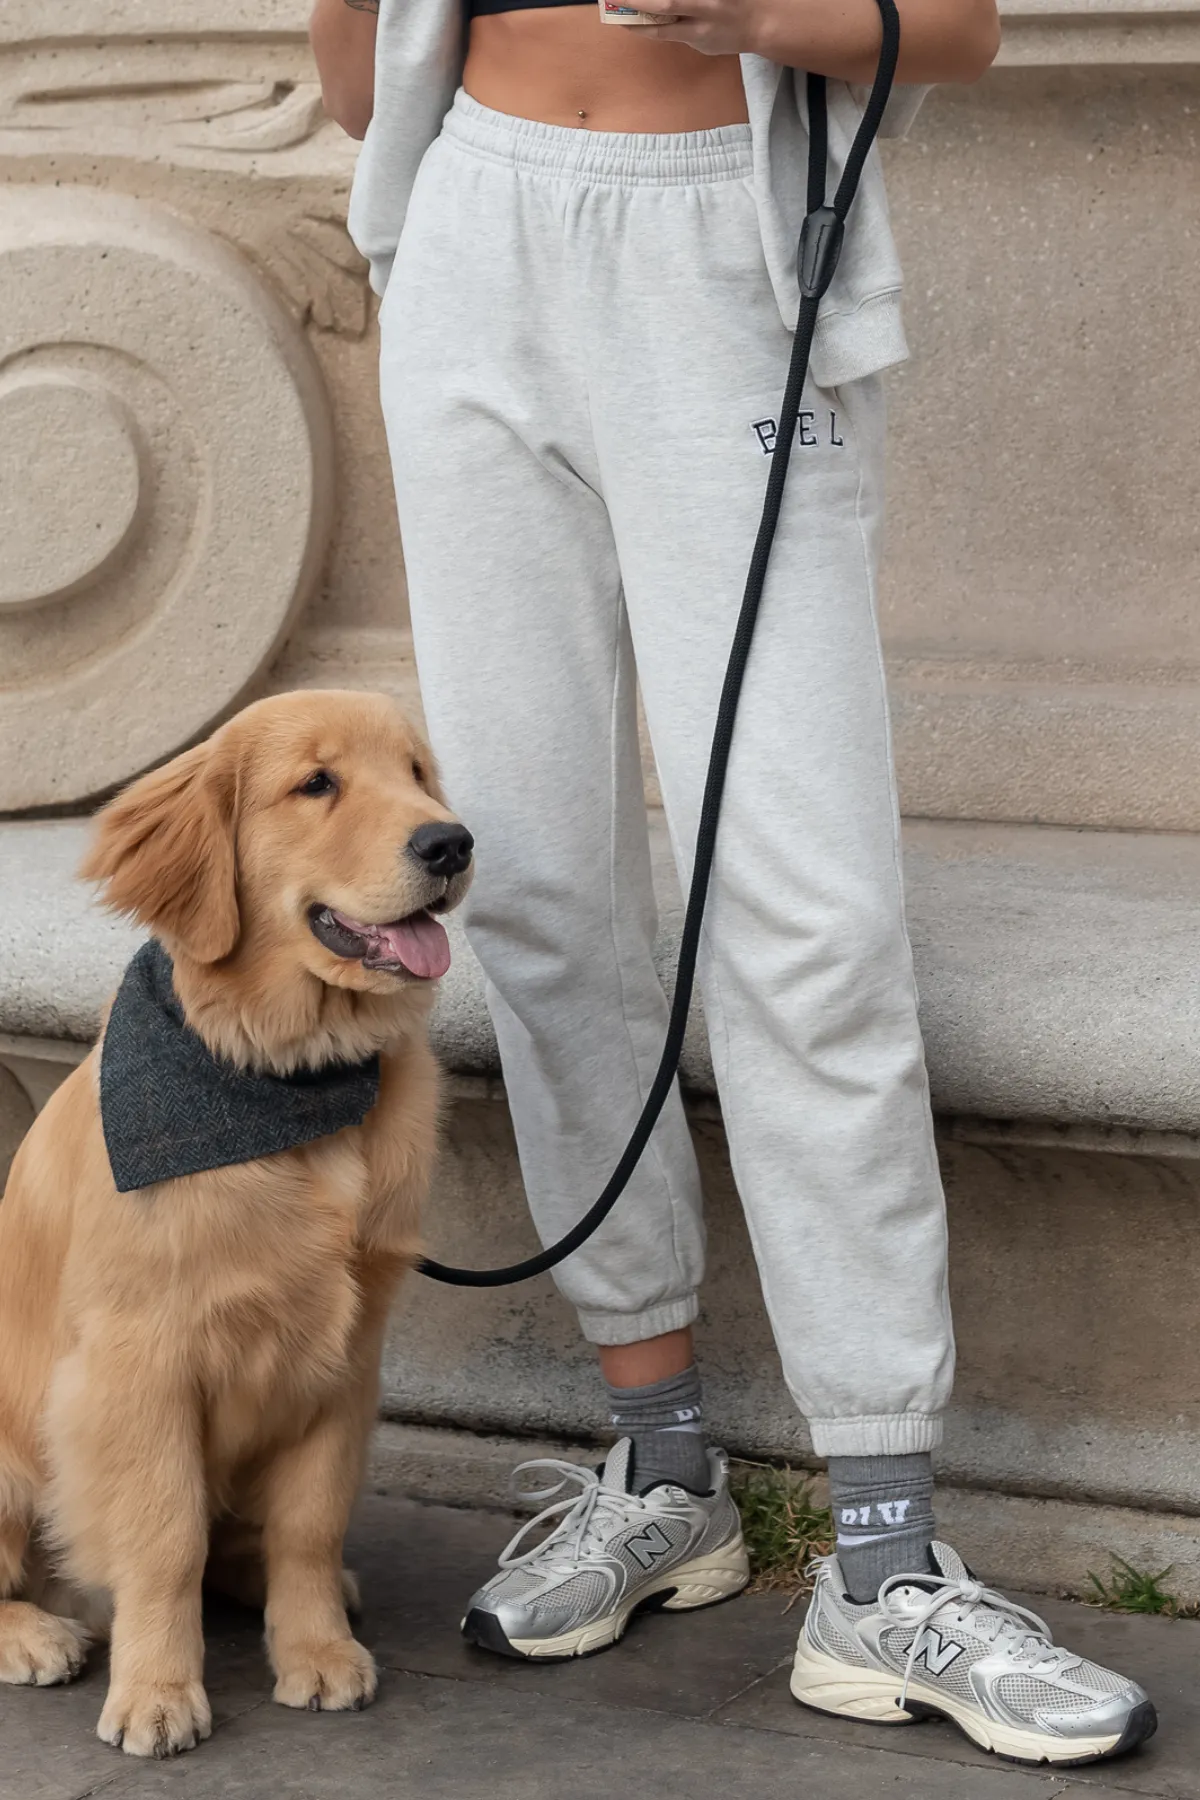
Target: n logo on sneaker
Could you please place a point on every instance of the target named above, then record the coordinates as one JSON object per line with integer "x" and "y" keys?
{"x": 649, "y": 1546}
{"x": 937, "y": 1653}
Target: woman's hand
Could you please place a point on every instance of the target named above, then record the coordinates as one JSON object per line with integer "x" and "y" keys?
{"x": 342, "y": 33}
{"x": 940, "y": 40}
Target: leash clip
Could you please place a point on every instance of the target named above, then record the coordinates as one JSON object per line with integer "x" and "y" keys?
{"x": 820, "y": 247}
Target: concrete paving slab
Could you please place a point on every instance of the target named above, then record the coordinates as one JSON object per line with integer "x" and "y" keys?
{"x": 687, "y": 1705}
{"x": 419, "y": 1564}
{"x": 448, "y": 1740}
{"x": 48, "y": 1744}
{"x": 1164, "y": 1655}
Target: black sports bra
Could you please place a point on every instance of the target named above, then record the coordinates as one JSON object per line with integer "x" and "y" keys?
{"x": 475, "y": 8}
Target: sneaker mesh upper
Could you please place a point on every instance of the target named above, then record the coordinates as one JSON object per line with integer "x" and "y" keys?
{"x": 1105, "y": 1681}
{"x": 1026, "y": 1694}
{"x": 513, "y": 1584}
{"x": 1021, "y": 1691}
{"x": 827, "y": 1637}
{"x": 577, "y": 1597}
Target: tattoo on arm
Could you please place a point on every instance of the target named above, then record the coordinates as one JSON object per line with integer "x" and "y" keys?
{"x": 364, "y": 5}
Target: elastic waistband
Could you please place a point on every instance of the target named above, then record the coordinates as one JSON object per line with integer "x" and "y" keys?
{"x": 612, "y": 158}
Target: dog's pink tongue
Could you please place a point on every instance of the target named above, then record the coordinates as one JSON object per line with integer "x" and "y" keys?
{"x": 420, "y": 943}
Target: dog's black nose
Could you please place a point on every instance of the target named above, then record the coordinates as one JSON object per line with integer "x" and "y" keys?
{"x": 444, "y": 849}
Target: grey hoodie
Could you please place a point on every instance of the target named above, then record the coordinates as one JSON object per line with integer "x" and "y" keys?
{"x": 418, "y": 68}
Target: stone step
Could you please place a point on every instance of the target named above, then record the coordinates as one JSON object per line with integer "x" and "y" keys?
{"x": 1010, "y": 1540}
{"x": 1058, "y": 997}
{"x": 1056, "y": 969}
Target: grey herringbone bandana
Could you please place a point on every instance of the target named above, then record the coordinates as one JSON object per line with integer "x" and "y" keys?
{"x": 170, "y": 1107}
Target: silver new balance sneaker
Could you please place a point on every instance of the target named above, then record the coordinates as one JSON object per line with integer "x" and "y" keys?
{"x": 610, "y": 1554}
{"x": 942, "y": 1644}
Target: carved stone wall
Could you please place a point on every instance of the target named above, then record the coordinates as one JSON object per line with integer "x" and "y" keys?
{"x": 1040, "y": 594}
{"x": 165, "y": 449}
{"x": 195, "y": 502}
{"x": 191, "y": 461}
{"x": 195, "y": 506}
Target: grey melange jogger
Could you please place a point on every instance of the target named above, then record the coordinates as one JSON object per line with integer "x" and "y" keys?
{"x": 582, "y": 357}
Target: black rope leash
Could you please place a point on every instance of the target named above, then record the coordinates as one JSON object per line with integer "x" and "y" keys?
{"x": 820, "y": 246}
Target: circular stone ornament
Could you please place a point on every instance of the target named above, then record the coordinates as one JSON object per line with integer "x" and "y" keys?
{"x": 166, "y": 484}
{"x": 70, "y": 486}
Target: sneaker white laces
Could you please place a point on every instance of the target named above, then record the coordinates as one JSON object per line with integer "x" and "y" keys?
{"x": 581, "y": 1517}
{"x": 1024, "y": 1636}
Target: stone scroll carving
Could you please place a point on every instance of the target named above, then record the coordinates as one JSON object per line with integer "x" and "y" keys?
{"x": 242, "y": 109}
{"x": 165, "y": 486}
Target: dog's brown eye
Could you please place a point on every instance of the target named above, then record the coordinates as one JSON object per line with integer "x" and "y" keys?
{"x": 418, "y": 770}
{"x": 319, "y": 782}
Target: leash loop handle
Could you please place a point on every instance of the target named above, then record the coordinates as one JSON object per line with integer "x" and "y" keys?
{"x": 820, "y": 245}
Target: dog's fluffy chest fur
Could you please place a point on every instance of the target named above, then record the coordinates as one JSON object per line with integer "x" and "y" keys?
{"x": 257, "y": 1276}
{"x": 274, "y": 1331}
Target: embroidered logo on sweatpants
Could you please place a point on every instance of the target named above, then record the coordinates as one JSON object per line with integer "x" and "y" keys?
{"x": 812, "y": 430}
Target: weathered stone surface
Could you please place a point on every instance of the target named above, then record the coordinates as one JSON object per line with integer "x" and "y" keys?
{"x": 165, "y": 487}
{"x": 214, "y": 114}
{"x": 16, "y": 1116}
{"x": 61, "y": 955}
{"x": 1062, "y": 33}
{"x": 1010, "y": 1540}
{"x": 1037, "y": 599}
{"x": 1076, "y": 1310}
{"x": 1011, "y": 927}
{"x": 70, "y": 473}
{"x": 1039, "y": 589}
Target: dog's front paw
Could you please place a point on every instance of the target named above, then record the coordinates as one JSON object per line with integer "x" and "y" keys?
{"x": 156, "y": 1721}
{"x": 336, "y": 1677}
{"x": 38, "y": 1648}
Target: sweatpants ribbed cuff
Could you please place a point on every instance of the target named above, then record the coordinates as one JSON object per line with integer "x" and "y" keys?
{"x": 634, "y": 1328}
{"x": 877, "y": 1434}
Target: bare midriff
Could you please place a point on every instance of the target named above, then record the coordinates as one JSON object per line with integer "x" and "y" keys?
{"x": 563, "y": 66}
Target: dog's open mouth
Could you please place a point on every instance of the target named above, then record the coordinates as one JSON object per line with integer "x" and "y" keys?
{"x": 417, "y": 944}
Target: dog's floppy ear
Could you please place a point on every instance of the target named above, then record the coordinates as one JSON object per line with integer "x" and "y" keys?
{"x": 164, "y": 853}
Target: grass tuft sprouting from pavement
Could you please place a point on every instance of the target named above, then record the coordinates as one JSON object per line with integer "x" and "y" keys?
{"x": 1130, "y": 1590}
{"x": 784, "y": 1527}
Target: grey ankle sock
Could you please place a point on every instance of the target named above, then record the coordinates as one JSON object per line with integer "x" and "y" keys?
{"x": 883, "y": 1514}
{"x": 666, "y": 1422}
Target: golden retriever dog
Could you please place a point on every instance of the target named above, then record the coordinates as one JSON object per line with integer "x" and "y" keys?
{"x": 189, "y": 1371}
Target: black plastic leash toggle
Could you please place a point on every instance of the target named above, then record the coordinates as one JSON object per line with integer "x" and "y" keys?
{"x": 820, "y": 246}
